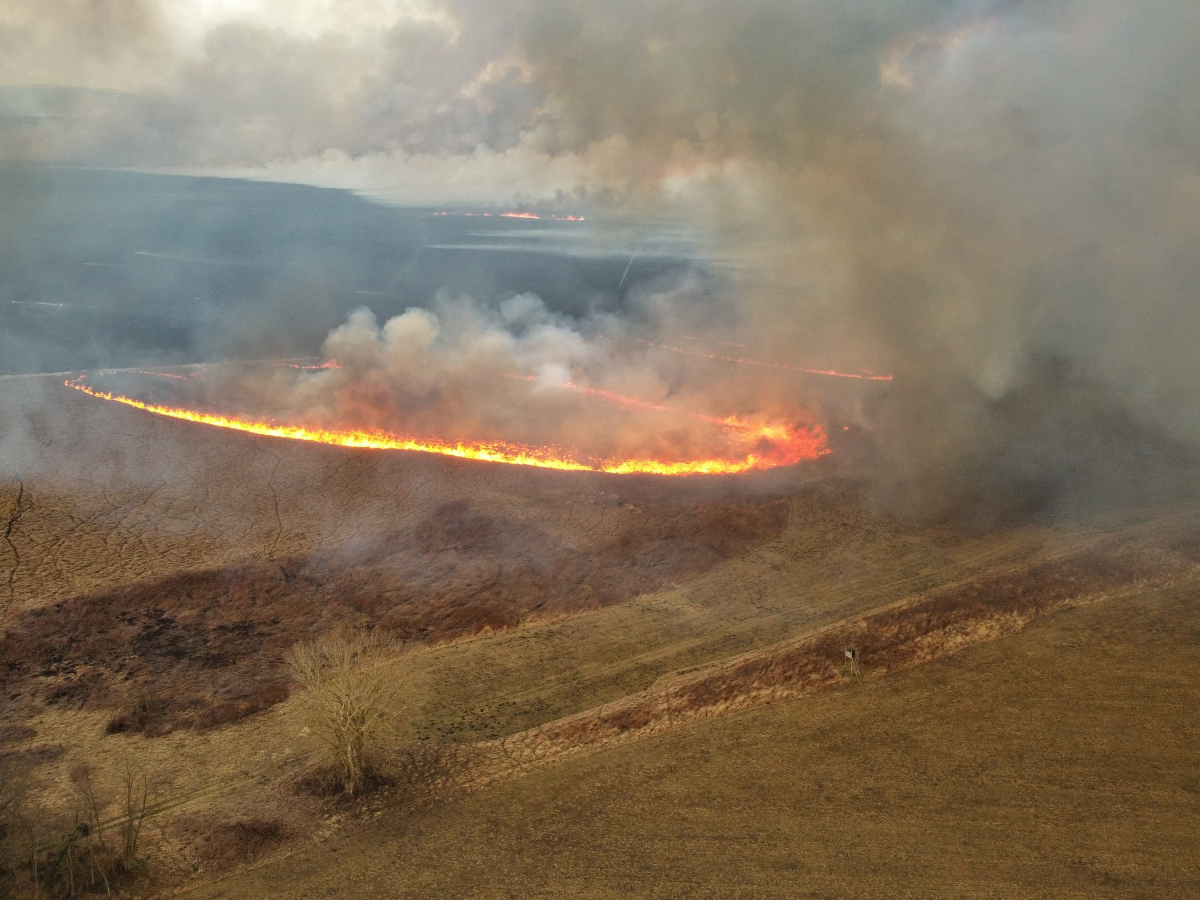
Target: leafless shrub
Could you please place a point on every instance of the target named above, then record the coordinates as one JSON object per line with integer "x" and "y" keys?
{"x": 84, "y": 843}
{"x": 22, "y": 833}
{"x": 355, "y": 687}
{"x": 28, "y": 830}
{"x": 65, "y": 856}
{"x": 11, "y": 796}
{"x": 229, "y": 844}
{"x": 133, "y": 812}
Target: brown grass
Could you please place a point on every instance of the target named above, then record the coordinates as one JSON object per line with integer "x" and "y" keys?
{"x": 225, "y": 844}
{"x": 914, "y": 631}
{"x": 203, "y": 649}
{"x": 1058, "y": 762}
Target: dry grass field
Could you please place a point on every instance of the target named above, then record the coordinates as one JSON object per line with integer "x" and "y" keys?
{"x": 207, "y": 554}
{"x": 1060, "y": 762}
{"x": 626, "y": 685}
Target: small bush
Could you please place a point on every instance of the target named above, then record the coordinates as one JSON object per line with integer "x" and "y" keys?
{"x": 146, "y": 715}
{"x": 353, "y": 690}
{"x": 241, "y": 842}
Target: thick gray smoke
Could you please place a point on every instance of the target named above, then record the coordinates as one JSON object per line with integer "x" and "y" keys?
{"x": 517, "y": 373}
{"x": 996, "y": 200}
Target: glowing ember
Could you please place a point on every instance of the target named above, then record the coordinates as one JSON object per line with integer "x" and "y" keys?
{"x": 515, "y": 215}
{"x": 527, "y": 215}
{"x": 866, "y": 376}
{"x": 769, "y": 445}
{"x": 732, "y": 423}
{"x": 332, "y": 364}
{"x": 163, "y": 375}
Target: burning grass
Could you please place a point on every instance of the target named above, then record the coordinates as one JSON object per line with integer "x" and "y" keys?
{"x": 203, "y": 649}
{"x": 734, "y": 444}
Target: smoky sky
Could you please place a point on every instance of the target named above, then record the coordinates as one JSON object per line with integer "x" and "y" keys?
{"x": 995, "y": 201}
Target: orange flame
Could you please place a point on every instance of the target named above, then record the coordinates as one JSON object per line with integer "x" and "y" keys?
{"x": 529, "y": 215}
{"x": 162, "y": 375}
{"x": 776, "y": 433}
{"x": 776, "y": 445}
{"x": 868, "y": 376}
{"x": 331, "y": 364}
{"x": 515, "y": 215}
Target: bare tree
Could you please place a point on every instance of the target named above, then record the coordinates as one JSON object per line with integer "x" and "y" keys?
{"x": 12, "y": 790}
{"x": 68, "y": 856}
{"x": 133, "y": 813}
{"x": 26, "y": 819}
{"x": 355, "y": 688}
{"x": 85, "y": 840}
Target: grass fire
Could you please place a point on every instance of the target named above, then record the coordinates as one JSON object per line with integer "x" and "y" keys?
{"x": 598, "y": 448}
{"x": 748, "y": 445}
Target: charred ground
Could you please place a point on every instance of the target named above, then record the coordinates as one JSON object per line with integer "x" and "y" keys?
{"x": 202, "y": 649}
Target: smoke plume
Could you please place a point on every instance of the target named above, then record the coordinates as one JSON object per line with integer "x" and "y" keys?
{"x": 994, "y": 200}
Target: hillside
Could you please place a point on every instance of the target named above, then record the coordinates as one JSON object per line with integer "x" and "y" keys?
{"x": 1061, "y": 761}
{"x": 645, "y": 651}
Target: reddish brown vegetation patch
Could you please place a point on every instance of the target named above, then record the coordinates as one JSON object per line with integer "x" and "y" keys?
{"x": 325, "y": 782}
{"x": 1187, "y": 542}
{"x": 893, "y": 638}
{"x": 15, "y": 734}
{"x": 229, "y": 844}
{"x": 203, "y": 649}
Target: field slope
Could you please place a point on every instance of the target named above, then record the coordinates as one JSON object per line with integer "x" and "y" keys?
{"x": 627, "y": 686}
{"x": 1063, "y": 761}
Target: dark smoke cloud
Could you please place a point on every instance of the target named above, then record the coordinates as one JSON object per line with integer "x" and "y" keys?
{"x": 998, "y": 201}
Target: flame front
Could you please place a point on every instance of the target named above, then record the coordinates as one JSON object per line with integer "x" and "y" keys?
{"x": 515, "y": 215}
{"x": 832, "y": 373}
{"x": 774, "y": 445}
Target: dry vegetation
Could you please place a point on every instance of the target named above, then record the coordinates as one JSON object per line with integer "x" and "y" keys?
{"x": 1061, "y": 761}
{"x": 159, "y": 585}
{"x": 115, "y": 606}
{"x": 355, "y": 689}
{"x": 913, "y": 631}
{"x": 222, "y": 844}
{"x": 91, "y": 845}
{"x": 204, "y": 649}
